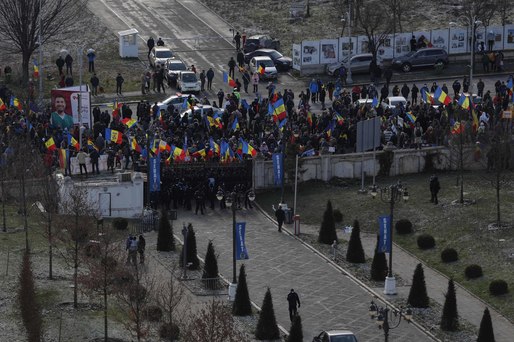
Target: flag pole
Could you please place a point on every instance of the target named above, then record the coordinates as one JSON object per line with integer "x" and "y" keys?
{"x": 295, "y": 185}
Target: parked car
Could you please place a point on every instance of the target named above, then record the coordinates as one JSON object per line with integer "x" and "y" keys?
{"x": 199, "y": 112}
{"x": 335, "y": 336}
{"x": 392, "y": 101}
{"x": 358, "y": 64}
{"x": 270, "y": 71}
{"x": 260, "y": 42}
{"x": 173, "y": 68}
{"x": 159, "y": 55}
{"x": 421, "y": 58}
{"x": 282, "y": 63}
{"x": 187, "y": 82}
{"x": 176, "y": 100}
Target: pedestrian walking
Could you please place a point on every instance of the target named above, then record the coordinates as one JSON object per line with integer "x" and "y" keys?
{"x": 210, "y": 77}
{"x": 69, "y": 64}
{"x": 434, "y": 189}
{"x": 246, "y": 80}
{"x": 414, "y": 92}
{"x": 240, "y": 59}
{"x": 60, "y": 64}
{"x": 221, "y": 96}
{"x": 91, "y": 56}
{"x": 202, "y": 80}
{"x": 237, "y": 40}
{"x": 94, "y": 156}
{"x": 95, "y": 82}
{"x": 199, "y": 200}
{"x": 119, "y": 83}
{"x": 293, "y": 299}
{"x": 231, "y": 67}
{"x": 255, "y": 82}
{"x": 280, "y": 214}
{"x": 150, "y": 43}
{"x": 132, "y": 250}
{"x": 141, "y": 245}
{"x": 81, "y": 157}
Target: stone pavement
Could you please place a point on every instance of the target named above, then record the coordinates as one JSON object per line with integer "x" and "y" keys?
{"x": 469, "y": 307}
{"x": 330, "y": 299}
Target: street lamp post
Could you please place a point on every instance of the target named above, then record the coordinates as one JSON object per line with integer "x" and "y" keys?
{"x": 349, "y": 79}
{"x": 384, "y": 316}
{"x": 391, "y": 195}
{"x": 185, "y": 233}
{"x": 231, "y": 202}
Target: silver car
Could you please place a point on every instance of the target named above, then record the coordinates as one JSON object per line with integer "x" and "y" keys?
{"x": 335, "y": 336}
{"x": 159, "y": 55}
{"x": 359, "y": 64}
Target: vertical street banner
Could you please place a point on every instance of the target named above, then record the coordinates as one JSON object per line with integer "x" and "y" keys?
{"x": 241, "y": 252}
{"x": 155, "y": 174}
{"x": 277, "y": 168}
{"x": 384, "y": 241}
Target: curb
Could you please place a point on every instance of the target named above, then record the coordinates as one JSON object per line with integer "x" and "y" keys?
{"x": 348, "y": 274}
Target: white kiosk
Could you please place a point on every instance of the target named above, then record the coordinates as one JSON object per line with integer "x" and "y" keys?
{"x": 128, "y": 43}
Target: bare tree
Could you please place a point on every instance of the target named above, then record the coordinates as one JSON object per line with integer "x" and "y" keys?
{"x": 23, "y": 21}
{"x": 504, "y": 8}
{"x": 372, "y": 19}
{"x": 398, "y": 8}
{"x": 170, "y": 296}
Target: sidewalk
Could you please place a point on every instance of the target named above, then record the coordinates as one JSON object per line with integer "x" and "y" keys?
{"x": 330, "y": 299}
{"x": 469, "y": 307}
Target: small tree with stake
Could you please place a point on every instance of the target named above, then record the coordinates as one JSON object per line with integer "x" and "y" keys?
{"x": 450, "y": 318}
{"x": 355, "y": 252}
{"x": 418, "y": 297}
{"x": 165, "y": 238}
{"x": 242, "y": 305}
{"x": 296, "y": 332}
{"x": 267, "y": 328}
{"x": 327, "y": 232}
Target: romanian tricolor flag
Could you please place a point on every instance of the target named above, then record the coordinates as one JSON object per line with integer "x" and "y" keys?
{"x": 200, "y": 153}
{"x": 309, "y": 118}
{"x": 248, "y": 149}
{"x": 475, "y": 120}
{"x": 129, "y": 122}
{"x": 64, "y": 158}
{"x": 113, "y": 135}
{"x": 50, "y": 144}
{"x": 15, "y": 103}
{"x": 411, "y": 117}
{"x": 225, "y": 151}
{"x": 73, "y": 142}
{"x": 282, "y": 124}
{"x": 261, "y": 69}
{"x": 279, "y": 110}
{"x": 339, "y": 118}
{"x": 457, "y": 128}
{"x": 134, "y": 146}
{"x": 464, "y": 101}
{"x": 36, "y": 69}
{"x": 163, "y": 146}
{"x": 214, "y": 148}
{"x": 91, "y": 145}
{"x": 228, "y": 80}
{"x": 177, "y": 153}
{"x": 442, "y": 97}
{"x": 117, "y": 109}
{"x": 235, "y": 124}
{"x": 2, "y": 105}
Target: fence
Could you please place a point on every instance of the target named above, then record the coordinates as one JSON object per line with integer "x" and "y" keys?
{"x": 148, "y": 221}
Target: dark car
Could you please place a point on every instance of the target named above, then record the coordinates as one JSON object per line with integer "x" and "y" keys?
{"x": 173, "y": 68}
{"x": 421, "y": 58}
{"x": 261, "y": 41}
{"x": 282, "y": 63}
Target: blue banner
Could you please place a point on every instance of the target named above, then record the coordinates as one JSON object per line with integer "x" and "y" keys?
{"x": 278, "y": 168}
{"x": 384, "y": 241}
{"x": 155, "y": 174}
{"x": 241, "y": 252}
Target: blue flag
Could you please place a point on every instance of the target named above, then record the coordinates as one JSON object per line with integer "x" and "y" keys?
{"x": 384, "y": 241}
{"x": 278, "y": 168}
{"x": 155, "y": 174}
{"x": 241, "y": 252}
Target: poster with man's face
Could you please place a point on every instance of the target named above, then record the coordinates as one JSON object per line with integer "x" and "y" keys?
{"x": 67, "y": 100}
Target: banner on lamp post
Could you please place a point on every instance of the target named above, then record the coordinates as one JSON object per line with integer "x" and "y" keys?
{"x": 241, "y": 252}
{"x": 277, "y": 168}
{"x": 384, "y": 241}
{"x": 155, "y": 174}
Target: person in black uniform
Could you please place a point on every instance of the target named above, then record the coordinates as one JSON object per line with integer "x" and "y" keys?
{"x": 434, "y": 188}
{"x": 293, "y": 299}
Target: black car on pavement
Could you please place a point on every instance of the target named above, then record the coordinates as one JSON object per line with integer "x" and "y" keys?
{"x": 282, "y": 63}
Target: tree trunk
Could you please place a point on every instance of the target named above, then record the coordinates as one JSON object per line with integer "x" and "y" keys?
{"x": 461, "y": 167}
{"x": 75, "y": 274}
{"x": 50, "y": 248}
{"x": 25, "y": 67}
{"x": 498, "y": 222}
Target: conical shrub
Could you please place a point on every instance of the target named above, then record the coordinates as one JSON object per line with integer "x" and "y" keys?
{"x": 267, "y": 328}
{"x": 378, "y": 265}
{"x": 327, "y": 232}
{"x": 210, "y": 269}
{"x": 192, "y": 257}
{"x": 418, "y": 296}
{"x": 450, "y": 317}
{"x": 296, "y": 331}
{"x": 242, "y": 305}
{"x": 355, "y": 252}
{"x": 165, "y": 238}
{"x": 486, "y": 333}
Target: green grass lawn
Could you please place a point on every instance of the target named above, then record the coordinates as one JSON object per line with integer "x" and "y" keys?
{"x": 463, "y": 228}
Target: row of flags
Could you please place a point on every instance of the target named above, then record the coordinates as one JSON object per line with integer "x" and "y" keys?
{"x": 13, "y": 103}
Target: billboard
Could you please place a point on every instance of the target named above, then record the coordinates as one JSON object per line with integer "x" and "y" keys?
{"x": 458, "y": 40}
{"x": 329, "y": 51}
{"x": 310, "y": 52}
{"x": 344, "y": 47}
{"x": 297, "y": 56}
{"x": 66, "y": 100}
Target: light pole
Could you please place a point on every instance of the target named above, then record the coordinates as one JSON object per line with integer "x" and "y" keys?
{"x": 384, "y": 315}
{"x": 349, "y": 79}
{"x": 185, "y": 233}
{"x": 231, "y": 202}
{"x": 391, "y": 195}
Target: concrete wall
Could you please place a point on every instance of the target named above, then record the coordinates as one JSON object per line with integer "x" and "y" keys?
{"x": 109, "y": 198}
{"x": 405, "y": 161}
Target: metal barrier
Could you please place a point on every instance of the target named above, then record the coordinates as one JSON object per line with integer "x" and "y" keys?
{"x": 148, "y": 221}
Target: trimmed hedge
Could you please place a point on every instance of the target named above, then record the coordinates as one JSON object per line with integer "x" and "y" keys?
{"x": 426, "y": 241}
{"x": 498, "y": 287}
{"x": 473, "y": 271}
{"x": 449, "y": 255}
{"x": 403, "y": 227}
{"x": 120, "y": 223}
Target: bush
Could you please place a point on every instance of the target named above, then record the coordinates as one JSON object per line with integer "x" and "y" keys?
{"x": 267, "y": 328}
{"x": 355, "y": 252}
{"x": 92, "y": 249}
{"x": 165, "y": 238}
{"x": 450, "y": 317}
{"x": 338, "y": 216}
{"x": 449, "y": 255}
{"x": 153, "y": 313}
{"x": 473, "y": 271}
{"x": 191, "y": 257}
{"x": 486, "y": 333}
{"x": 426, "y": 241}
{"x": 418, "y": 296}
{"x": 378, "y": 265}
{"x": 242, "y": 305}
{"x": 498, "y": 287}
{"x": 169, "y": 331}
{"x": 120, "y": 223}
{"x": 327, "y": 232}
{"x": 403, "y": 227}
